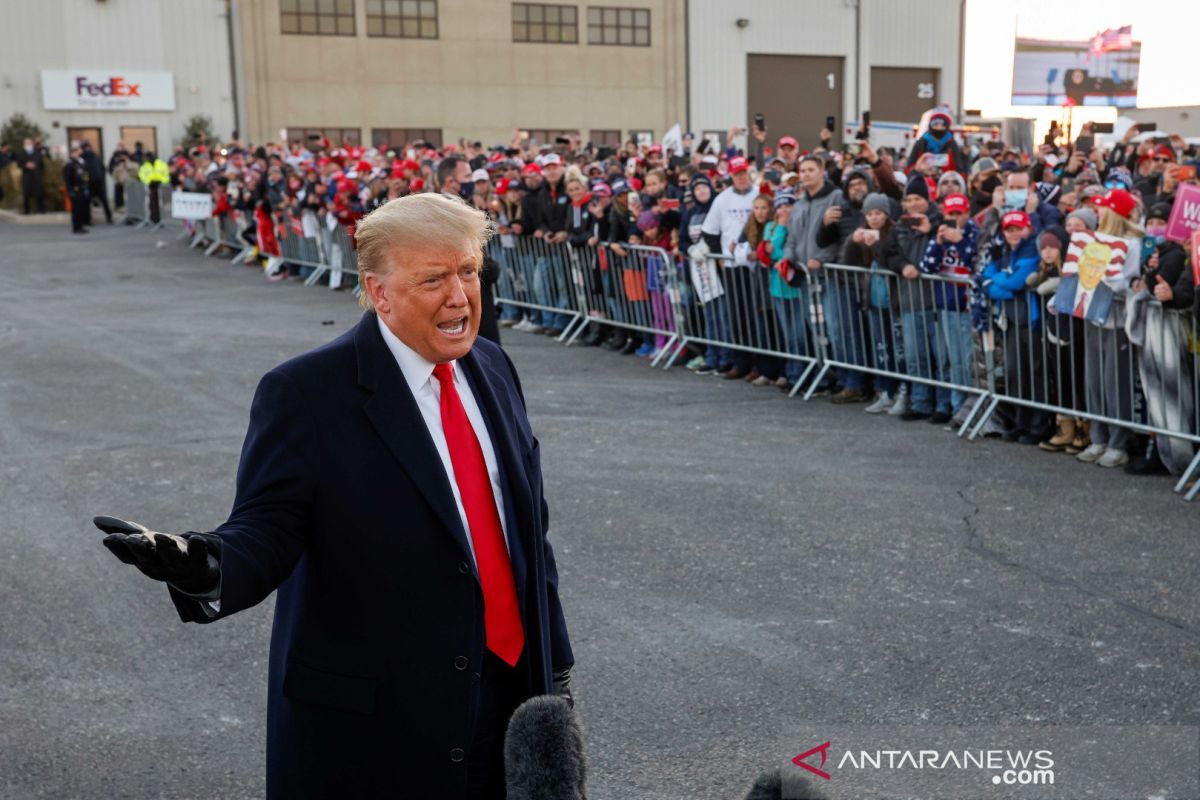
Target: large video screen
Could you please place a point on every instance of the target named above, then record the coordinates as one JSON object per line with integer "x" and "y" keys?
{"x": 1049, "y": 73}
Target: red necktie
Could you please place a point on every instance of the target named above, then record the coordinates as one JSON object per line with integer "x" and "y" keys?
{"x": 501, "y": 614}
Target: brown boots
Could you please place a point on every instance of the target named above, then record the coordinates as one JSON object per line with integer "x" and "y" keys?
{"x": 1072, "y": 436}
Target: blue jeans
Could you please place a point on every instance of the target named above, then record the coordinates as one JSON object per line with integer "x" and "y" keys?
{"x": 792, "y": 315}
{"x": 883, "y": 348}
{"x": 550, "y": 289}
{"x": 843, "y": 328}
{"x": 954, "y": 356}
{"x": 506, "y": 259}
{"x": 920, "y": 331}
{"x": 716, "y": 328}
{"x": 615, "y": 312}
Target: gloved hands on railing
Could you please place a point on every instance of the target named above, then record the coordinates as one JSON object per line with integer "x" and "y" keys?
{"x": 190, "y": 563}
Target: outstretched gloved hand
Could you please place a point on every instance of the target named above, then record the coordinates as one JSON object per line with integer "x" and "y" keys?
{"x": 189, "y": 562}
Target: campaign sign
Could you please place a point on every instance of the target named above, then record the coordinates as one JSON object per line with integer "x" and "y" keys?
{"x": 191, "y": 205}
{"x": 1185, "y": 214}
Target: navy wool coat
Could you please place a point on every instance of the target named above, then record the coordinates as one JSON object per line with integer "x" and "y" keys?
{"x": 343, "y": 506}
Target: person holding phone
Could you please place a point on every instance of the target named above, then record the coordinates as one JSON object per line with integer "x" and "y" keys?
{"x": 939, "y": 140}
{"x": 904, "y": 250}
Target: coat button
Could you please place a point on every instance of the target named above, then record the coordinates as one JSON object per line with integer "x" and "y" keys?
{"x": 457, "y": 755}
{"x": 460, "y": 662}
{"x": 464, "y": 568}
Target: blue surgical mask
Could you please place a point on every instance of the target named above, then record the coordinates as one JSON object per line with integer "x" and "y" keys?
{"x": 1015, "y": 199}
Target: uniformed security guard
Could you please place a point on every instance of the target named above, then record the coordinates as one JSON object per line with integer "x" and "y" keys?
{"x": 154, "y": 173}
{"x": 77, "y": 181}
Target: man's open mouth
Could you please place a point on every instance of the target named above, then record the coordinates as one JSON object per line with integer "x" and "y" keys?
{"x": 454, "y": 327}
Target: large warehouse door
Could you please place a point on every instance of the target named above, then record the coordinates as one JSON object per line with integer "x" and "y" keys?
{"x": 795, "y": 94}
{"x": 902, "y": 94}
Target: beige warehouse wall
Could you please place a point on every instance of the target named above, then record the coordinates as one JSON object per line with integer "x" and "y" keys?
{"x": 473, "y": 81}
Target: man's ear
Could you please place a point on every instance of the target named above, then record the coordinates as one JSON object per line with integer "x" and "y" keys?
{"x": 377, "y": 291}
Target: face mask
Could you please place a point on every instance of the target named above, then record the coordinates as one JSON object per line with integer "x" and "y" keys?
{"x": 467, "y": 191}
{"x": 1015, "y": 198}
{"x": 1156, "y": 232}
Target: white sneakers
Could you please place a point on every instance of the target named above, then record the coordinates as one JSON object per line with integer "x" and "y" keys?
{"x": 1113, "y": 458}
{"x": 528, "y": 327}
{"x": 1092, "y": 454}
{"x": 900, "y": 406}
{"x": 883, "y": 401}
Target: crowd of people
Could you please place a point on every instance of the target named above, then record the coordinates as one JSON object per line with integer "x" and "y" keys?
{"x": 983, "y": 229}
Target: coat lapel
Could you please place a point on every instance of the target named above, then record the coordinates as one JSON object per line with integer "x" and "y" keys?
{"x": 393, "y": 413}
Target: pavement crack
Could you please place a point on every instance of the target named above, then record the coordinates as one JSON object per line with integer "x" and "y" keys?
{"x": 974, "y": 543}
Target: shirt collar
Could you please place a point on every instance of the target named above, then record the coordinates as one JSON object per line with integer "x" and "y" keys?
{"x": 416, "y": 369}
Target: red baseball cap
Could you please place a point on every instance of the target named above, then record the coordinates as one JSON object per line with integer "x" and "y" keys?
{"x": 738, "y": 164}
{"x": 417, "y": 185}
{"x": 503, "y": 186}
{"x": 788, "y": 141}
{"x": 1118, "y": 200}
{"x": 1015, "y": 219}
{"x": 532, "y": 169}
{"x": 952, "y": 203}
{"x": 654, "y": 148}
{"x": 1164, "y": 150}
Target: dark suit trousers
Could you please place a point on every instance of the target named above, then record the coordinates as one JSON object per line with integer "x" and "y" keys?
{"x": 501, "y": 690}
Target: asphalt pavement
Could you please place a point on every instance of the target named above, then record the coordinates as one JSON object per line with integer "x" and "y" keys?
{"x": 737, "y": 567}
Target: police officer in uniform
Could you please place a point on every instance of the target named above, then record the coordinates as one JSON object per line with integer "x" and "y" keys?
{"x": 154, "y": 173}
{"x": 77, "y": 180}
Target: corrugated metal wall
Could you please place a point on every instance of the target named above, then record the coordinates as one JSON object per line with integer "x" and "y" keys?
{"x": 185, "y": 37}
{"x": 894, "y": 33}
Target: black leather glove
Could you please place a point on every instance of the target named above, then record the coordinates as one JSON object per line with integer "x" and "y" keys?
{"x": 189, "y": 562}
{"x": 562, "y": 685}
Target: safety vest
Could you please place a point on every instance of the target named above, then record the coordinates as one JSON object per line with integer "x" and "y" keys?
{"x": 158, "y": 171}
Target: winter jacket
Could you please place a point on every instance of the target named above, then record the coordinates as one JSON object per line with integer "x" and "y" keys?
{"x": 581, "y": 223}
{"x": 808, "y": 217}
{"x": 552, "y": 206}
{"x": 1172, "y": 268}
{"x": 928, "y": 144}
{"x": 621, "y": 224}
{"x": 907, "y": 246}
{"x": 952, "y": 260}
{"x": 1004, "y": 279}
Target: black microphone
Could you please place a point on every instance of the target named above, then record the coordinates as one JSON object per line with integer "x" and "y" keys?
{"x": 769, "y": 786}
{"x": 543, "y": 751}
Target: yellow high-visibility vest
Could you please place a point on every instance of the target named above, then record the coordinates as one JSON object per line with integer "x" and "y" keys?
{"x": 157, "y": 171}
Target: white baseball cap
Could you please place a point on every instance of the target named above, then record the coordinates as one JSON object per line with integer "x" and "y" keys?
{"x": 480, "y": 175}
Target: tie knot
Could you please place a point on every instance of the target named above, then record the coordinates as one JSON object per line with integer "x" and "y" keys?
{"x": 444, "y": 373}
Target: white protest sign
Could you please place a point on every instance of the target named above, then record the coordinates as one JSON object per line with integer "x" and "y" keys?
{"x": 191, "y": 205}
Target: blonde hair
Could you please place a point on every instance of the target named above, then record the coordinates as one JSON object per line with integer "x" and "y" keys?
{"x": 417, "y": 222}
{"x": 1114, "y": 224}
{"x": 574, "y": 173}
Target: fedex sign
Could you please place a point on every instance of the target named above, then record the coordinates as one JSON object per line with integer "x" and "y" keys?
{"x": 116, "y": 87}
{"x": 108, "y": 90}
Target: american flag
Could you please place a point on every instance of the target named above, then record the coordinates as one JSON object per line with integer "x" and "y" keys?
{"x": 1113, "y": 39}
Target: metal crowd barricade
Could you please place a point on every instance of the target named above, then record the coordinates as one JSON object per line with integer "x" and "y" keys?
{"x": 631, "y": 287}
{"x": 342, "y": 255}
{"x": 1146, "y": 380}
{"x": 915, "y": 331}
{"x": 750, "y": 309}
{"x": 302, "y": 251}
{"x": 137, "y": 204}
{"x": 540, "y": 277}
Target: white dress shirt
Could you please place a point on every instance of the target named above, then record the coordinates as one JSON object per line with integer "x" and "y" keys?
{"x": 427, "y": 391}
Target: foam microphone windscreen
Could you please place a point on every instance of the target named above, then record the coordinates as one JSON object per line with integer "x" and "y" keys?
{"x": 543, "y": 751}
{"x": 769, "y": 786}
